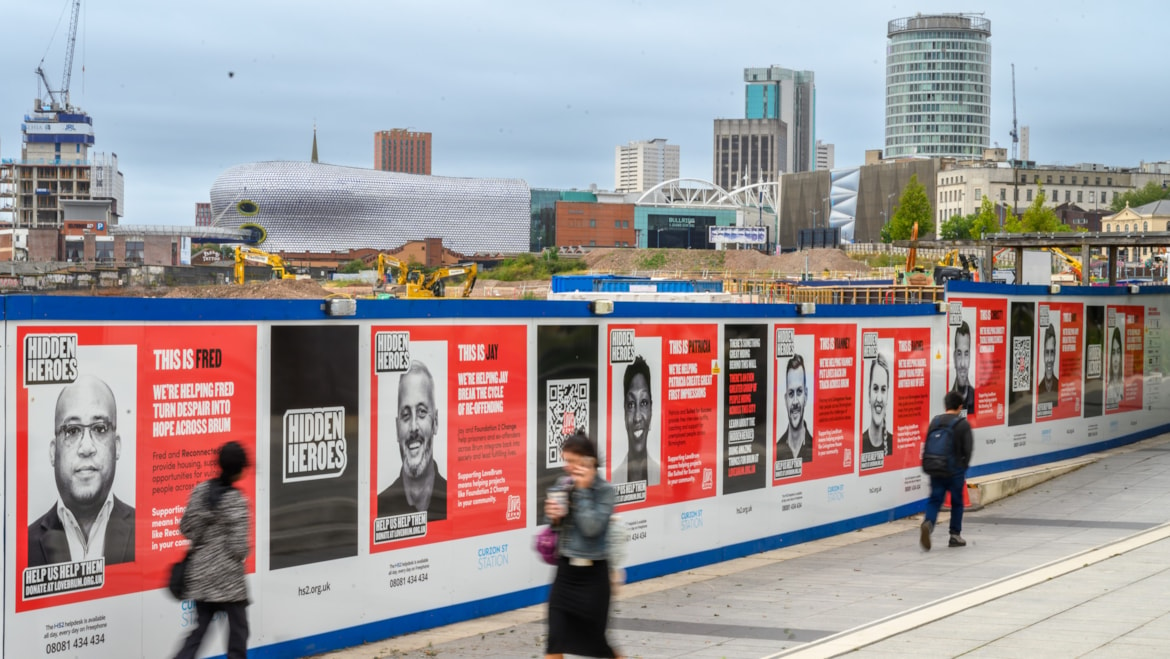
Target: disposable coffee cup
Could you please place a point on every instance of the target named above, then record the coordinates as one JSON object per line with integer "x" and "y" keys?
{"x": 560, "y": 498}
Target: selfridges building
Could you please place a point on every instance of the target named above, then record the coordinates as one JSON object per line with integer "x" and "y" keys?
{"x": 312, "y": 207}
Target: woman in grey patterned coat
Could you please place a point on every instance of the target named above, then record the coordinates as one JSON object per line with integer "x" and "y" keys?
{"x": 217, "y": 522}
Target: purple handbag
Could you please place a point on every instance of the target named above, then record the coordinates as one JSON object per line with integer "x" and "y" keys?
{"x": 546, "y": 545}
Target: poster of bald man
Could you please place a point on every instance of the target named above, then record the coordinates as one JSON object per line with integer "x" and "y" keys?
{"x": 81, "y": 464}
{"x": 448, "y": 429}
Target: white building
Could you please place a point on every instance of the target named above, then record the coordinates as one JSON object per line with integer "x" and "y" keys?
{"x": 825, "y": 155}
{"x": 641, "y": 165}
{"x": 962, "y": 185}
{"x": 938, "y": 86}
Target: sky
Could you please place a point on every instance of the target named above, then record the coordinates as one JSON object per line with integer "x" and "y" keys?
{"x": 542, "y": 91}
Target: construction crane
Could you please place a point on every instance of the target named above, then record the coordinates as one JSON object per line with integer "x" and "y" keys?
{"x": 1015, "y": 149}
{"x": 60, "y": 98}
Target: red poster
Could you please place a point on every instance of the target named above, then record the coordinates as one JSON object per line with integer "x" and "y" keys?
{"x": 662, "y": 384}
{"x": 816, "y": 382}
{"x": 448, "y": 422}
{"x": 895, "y": 398}
{"x": 1060, "y": 341}
{"x": 1125, "y": 350}
{"x": 115, "y": 425}
{"x": 977, "y": 357}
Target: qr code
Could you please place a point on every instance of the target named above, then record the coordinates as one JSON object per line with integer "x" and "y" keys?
{"x": 567, "y": 412}
{"x": 1021, "y": 363}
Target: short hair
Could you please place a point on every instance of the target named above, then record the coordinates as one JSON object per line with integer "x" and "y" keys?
{"x": 795, "y": 362}
{"x": 579, "y": 444}
{"x": 964, "y": 330}
{"x": 880, "y": 360}
{"x": 419, "y": 368}
{"x": 636, "y": 367}
{"x": 1049, "y": 333}
{"x": 953, "y": 400}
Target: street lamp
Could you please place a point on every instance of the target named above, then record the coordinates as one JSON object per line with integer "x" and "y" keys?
{"x": 814, "y": 212}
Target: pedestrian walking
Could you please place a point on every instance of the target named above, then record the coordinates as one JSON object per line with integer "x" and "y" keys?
{"x": 217, "y": 523}
{"x": 956, "y": 482}
{"x": 580, "y": 508}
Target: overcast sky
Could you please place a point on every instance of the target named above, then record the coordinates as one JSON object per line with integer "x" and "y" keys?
{"x": 543, "y": 91}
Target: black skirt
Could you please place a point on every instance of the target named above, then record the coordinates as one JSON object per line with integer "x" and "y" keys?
{"x": 578, "y": 610}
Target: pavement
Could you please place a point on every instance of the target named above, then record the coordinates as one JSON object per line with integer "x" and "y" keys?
{"x": 1063, "y": 560}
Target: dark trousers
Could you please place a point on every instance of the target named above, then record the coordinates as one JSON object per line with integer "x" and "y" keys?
{"x": 237, "y": 618}
{"x": 939, "y": 486}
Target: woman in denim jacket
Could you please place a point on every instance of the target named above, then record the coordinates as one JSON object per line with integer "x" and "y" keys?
{"x": 578, "y": 604}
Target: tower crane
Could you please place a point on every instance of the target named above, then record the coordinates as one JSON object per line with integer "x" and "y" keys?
{"x": 60, "y": 98}
{"x": 1015, "y": 149}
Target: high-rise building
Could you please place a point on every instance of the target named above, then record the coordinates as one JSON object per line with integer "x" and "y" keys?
{"x": 203, "y": 213}
{"x": 748, "y": 151}
{"x": 402, "y": 150}
{"x": 787, "y": 95}
{"x": 938, "y": 86}
{"x": 56, "y": 166}
{"x": 1025, "y": 138}
{"x": 825, "y": 155}
{"x": 641, "y": 165}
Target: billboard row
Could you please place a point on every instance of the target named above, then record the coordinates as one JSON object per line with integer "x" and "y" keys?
{"x": 401, "y": 462}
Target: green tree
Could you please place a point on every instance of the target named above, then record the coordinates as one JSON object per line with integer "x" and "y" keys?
{"x": 1036, "y": 219}
{"x": 913, "y": 207}
{"x": 1140, "y": 197}
{"x": 353, "y": 267}
{"x": 986, "y": 221}
{"x": 957, "y": 228}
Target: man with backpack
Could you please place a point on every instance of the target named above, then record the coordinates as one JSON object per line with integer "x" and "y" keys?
{"x": 945, "y": 457}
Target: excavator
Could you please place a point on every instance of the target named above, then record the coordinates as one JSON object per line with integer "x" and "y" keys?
{"x": 246, "y": 255}
{"x": 434, "y": 285}
{"x": 955, "y": 265}
{"x": 1073, "y": 263}
{"x": 385, "y": 262}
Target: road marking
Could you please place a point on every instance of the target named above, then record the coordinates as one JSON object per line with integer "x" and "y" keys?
{"x": 879, "y": 630}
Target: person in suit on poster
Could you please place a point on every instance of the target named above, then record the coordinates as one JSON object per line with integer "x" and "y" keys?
{"x": 1048, "y": 388}
{"x": 419, "y": 486}
{"x": 638, "y": 404}
{"x": 88, "y": 521}
{"x": 962, "y": 363}
{"x": 878, "y": 436}
{"x": 797, "y": 440}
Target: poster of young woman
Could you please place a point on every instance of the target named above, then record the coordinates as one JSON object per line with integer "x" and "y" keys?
{"x": 895, "y": 398}
{"x": 1125, "y": 350}
{"x": 663, "y": 407}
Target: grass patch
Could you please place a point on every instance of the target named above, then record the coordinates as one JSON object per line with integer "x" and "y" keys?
{"x": 533, "y": 267}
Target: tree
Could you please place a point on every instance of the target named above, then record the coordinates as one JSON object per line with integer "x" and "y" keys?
{"x": 353, "y": 267}
{"x": 1036, "y": 219}
{"x": 986, "y": 220}
{"x": 1140, "y": 197}
{"x": 913, "y": 207}
{"x": 957, "y": 228}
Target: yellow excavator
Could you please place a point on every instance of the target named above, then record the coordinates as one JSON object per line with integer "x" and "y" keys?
{"x": 386, "y": 262}
{"x": 1073, "y": 263}
{"x": 245, "y": 255}
{"x": 955, "y": 265}
{"x": 434, "y": 284}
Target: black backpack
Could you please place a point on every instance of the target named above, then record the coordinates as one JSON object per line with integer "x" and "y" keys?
{"x": 938, "y": 452}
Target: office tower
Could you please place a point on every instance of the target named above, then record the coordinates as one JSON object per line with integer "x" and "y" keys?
{"x": 203, "y": 213}
{"x": 825, "y": 155}
{"x": 748, "y": 151}
{"x": 641, "y": 165}
{"x": 783, "y": 94}
{"x": 1025, "y": 137}
{"x": 402, "y": 150}
{"x": 938, "y": 86}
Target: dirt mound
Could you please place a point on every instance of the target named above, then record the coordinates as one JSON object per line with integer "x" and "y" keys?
{"x": 742, "y": 261}
{"x": 276, "y": 289}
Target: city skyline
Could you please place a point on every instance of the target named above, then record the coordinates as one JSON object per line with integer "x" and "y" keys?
{"x": 532, "y": 92}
